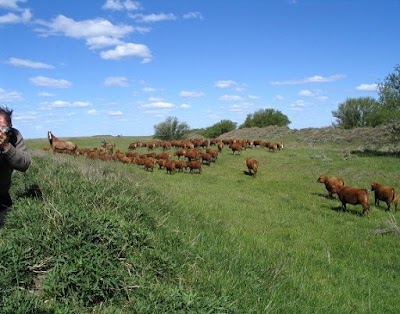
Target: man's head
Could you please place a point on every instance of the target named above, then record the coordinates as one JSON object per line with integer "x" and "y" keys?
{"x": 5, "y": 116}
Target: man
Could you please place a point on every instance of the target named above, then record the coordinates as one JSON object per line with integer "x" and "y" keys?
{"x": 13, "y": 156}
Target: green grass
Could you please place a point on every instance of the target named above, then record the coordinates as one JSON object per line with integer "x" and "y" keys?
{"x": 113, "y": 238}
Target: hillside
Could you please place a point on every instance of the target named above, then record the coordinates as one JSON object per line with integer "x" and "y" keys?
{"x": 377, "y": 137}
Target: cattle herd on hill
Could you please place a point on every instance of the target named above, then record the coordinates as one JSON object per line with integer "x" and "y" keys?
{"x": 190, "y": 155}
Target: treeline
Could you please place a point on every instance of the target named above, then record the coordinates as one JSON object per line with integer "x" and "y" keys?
{"x": 352, "y": 113}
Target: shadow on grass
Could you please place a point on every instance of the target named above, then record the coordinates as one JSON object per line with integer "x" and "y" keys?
{"x": 248, "y": 173}
{"x": 375, "y": 153}
{"x": 326, "y": 196}
{"x": 350, "y": 211}
{"x": 32, "y": 191}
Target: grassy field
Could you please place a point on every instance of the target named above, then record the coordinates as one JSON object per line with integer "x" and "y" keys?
{"x": 112, "y": 238}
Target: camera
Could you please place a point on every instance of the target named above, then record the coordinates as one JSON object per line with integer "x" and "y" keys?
{"x": 5, "y": 128}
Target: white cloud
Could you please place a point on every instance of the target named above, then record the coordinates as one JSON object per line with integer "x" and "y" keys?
{"x": 193, "y": 15}
{"x": 148, "y": 89}
{"x": 307, "y": 93}
{"x": 45, "y": 94}
{"x": 12, "y": 18}
{"x": 66, "y": 104}
{"x": 115, "y": 113}
{"x": 128, "y": 50}
{"x": 158, "y": 104}
{"x": 231, "y": 98}
{"x": 191, "y": 94}
{"x": 9, "y": 96}
{"x": 311, "y": 79}
{"x": 185, "y": 106}
{"x": 92, "y": 112}
{"x": 10, "y": 4}
{"x": 368, "y": 87}
{"x": 279, "y": 97}
{"x": 116, "y": 81}
{"x": 50, "y": 82}
{"x": 28, "y": 63}
{"x": 152, "y": 18}
{"x": 225, "y": 83}
{"x": 117, "y": 5}
{"x": 243, "y": 107}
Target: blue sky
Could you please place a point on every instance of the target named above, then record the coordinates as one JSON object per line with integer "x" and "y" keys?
{"x": 118, "y": 67}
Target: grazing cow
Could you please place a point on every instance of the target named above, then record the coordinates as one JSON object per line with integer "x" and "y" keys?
{"x": 252, "y": 166}
{"x": 180, "y": 165}
{"x": 161, "y": 163}
{"x": 386, "y": 194}
{"x": 170, "y": 166}
{"x": 354, "y": 196}
{"x": 149, "y": 164}
{"x": 271, "y": 146}
{"x": 206, "y": 158}
{"x": 332, "y": 184}
{"x": 279, "y": 145}
{"x": 236, "y": 148}
{"x": 59, "y": 146}
{"x": 194, "y": 165}
{"x": 213, "y": 153}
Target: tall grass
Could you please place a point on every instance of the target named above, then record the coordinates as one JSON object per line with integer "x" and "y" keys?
{"x": 110, "y": 238}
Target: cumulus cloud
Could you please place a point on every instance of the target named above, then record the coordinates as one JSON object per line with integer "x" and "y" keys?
{"x": 92, "y": 111}
{"x": 368, "y": 87}
{"x": 225, "y": 83}
{"x": 231, "y": 98}
{"x": 128, "y": 50}
{"x": 120, "y": 81}
{"x": 311, "y": 79}
{"x": 67, "y": 104}
{"x": 118, "y": 5}
{"x": 152, "y": 18}
{"x": 307, "y": 93}
{"x": 193, "y": 15}
{"x": 9, "y": 96}
{"x": 115, "y": 113}
{"x": 28, "y": 63}
{"x": 191, "y": 94}
{"x": 10, "y": 4}
{"x": 50, "y": 82}
{"x": 185, "y": 106}
{"x": 159, "y": 103}
{"x": 13, "y": 18}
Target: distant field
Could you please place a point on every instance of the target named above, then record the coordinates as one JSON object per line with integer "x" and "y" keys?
{"x": 229, "y": 243}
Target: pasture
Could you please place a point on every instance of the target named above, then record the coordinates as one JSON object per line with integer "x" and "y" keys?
{"x": 217, "y": 242}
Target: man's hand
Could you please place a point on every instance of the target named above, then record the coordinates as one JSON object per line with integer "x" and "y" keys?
{"x": 4, "y": 143}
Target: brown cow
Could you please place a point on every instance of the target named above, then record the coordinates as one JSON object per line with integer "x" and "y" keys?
{"x": 236, "y": 147}
{"x": 180, "y": 165}
{"x": 149, "y": 164}
{"x": 332, "y": 184}
{"x": 206, "y": 158}
{"x": 194, "y": 165}
{"x": 170, "y": 166}
{"x": 354, "y": 196}
{"x": 385, "y": 193}
{"x": 252, "y": 166}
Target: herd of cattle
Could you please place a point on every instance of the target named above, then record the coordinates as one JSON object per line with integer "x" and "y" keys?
{"x": 194, "y": 152}
{"x": 198, "y": 152}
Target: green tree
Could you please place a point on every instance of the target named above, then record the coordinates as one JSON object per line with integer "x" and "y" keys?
{"x": 358, "y": 112}
{"x": 219, "y": 128}
{"x": 265, "y": 117}
{"x": 389, "y": 96}
{"x": 171, "y": 129}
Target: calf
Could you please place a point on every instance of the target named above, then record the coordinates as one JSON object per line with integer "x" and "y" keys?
{"x": 386, "y": 194}
{"x": 332, "y": 184}
{"x": 354, "y": 196}
{"x": 252, "y": 166}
